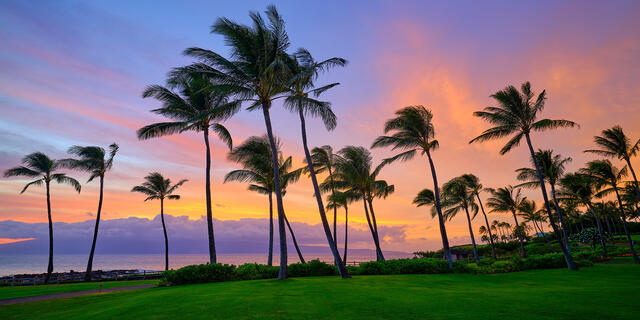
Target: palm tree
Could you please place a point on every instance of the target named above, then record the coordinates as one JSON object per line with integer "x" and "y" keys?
{"x": 509, "y": 199}
{"x": 323, "y": 160}
{"x": 580, "y": 187}
{"x": 517, "y": 113}
{"x": 473, "y": 183}
{"x": 456, "y": 197}
{"x": 528, "y": 212}
{"x": 156, "y": 187}
{"x": 96, "y": 161}
{"x": 257, "y": 72}
{"x": 199, "y": 107}
{"x": 608, "y": 179}
{"x": 614, "y": 143}
{"x": 254, "y": 155}
{"x": 304, "y": 70}
{"x": 337, "y": 200}
{"x": 38, "y": 165}
{"x": 553, "y": 168}
{"x": 413, "y": 131}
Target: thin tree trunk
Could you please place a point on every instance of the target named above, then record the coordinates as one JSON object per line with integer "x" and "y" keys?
{"x": 335, "y": 209}
{"x": 560, "y": 217}
{"x": 633, "y": 173}
{"x": 373, "y": 231}
{"x": 473, "y": 239}
{"x": 443, "y": 230}
{"x": 523, "y": 252}
{"x": 346, "y": 233}
{"x": 212, "y": 242}
{"x": 606, "y": 220}
{"x": 88, "y": 273}
{"x": 624, "y": 224}
{"x": 600, "y": 233}
{"x": 282, "y": 274}
{"x": 50, "y": 265}
{"x": 293, "y": 237}
{"x": 166, "y": 238}
{"x": 375, "y": 226}
{"x": 342, "y": 270}
{"x": 270, "y": 256}
{"x": 571, "y": 265}
{"x": 486, "y": 221}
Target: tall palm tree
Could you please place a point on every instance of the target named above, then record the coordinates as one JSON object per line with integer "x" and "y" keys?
{"x": 198, "y": 107}
{"x": 323, "y": 160}
{"x": 413, "y": 131}
{"x": 257, "y": 72}
{"x": 553, "y": 168}
{"x": 38, "y": 165}
{"x": 457, "y": 197}
{"x": 254, "y": 155}
{"x": 304, "y": 70}
{"x": 517, "y": 114}
{"x": 580, "y": 187}
{"x": 473, "y": 183}
{"x": 96, "y": 161}
{"x": 608, "y": 179}
{"x": 156, "y": 187}
{"x": 509, "y": 199}
{"x": 614, "y": 143}
{"x": 337, "y": 200}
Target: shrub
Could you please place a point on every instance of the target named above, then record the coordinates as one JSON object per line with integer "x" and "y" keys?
{"x": 253, "y": 271}
{"x": 200, "y": 273}
{"x": 312, "y": 268}
{"x": 409, "y": 266}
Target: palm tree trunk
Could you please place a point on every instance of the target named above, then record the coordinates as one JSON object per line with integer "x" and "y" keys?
{"x": 295, "y": 242}
{"x": 626, "y": 231}
{"x": 335, "y": 209}
{"x": 87, "y": 274}
{"x": 50, "y": 265}
{"x": 606, "y": 220}
{"x": 567, "y": 256}
{"x": 282, "y": 274}
{"x": 560, "y": 217}
{"x": 342, "y": 270}
{"x": 346, "y": 233}
{"x": 375, "y": 226}
{"x": 379, "y": 256}
{"x": 523, "y": 253}
{"x": 600, "y": 233}
{"x": 633, "y": 173}
{"x": 473, "y": 239}
{"x": 486, "y": 221}
{"x": 212, "y": 242}
{"x": 270, "y": 256}
{"x": 166, "y": 239}
{"x": 443, "y": 230}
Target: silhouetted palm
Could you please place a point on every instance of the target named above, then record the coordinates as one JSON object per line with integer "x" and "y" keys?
{"x": 254, "y": 154}
{"x": 473, "y": 183}
{"x": 608, "y": 179}
{"x": 304, "y": 71}
{"x": 528, "y": 212}
{"x": 614, "y": 143}
{"x": 337, "y": 200}
{"x": 323, "y": 160}
{"x": 553, "y": 168}
{"x": 412, "y": 130}
{"x": 517, "y": 114}
{"x": 96, "y": 161}
{"x": 156, "y": 187}
{"x": 508, "y": 199}
{"x": 457, "y": 196}
{"x": 38, "y": 165}
{"x": 199, "y": 107}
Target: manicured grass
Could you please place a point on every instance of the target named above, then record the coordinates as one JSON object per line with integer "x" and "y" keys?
{"x": 27, "y": 291}
{"x": 598, "y": 292}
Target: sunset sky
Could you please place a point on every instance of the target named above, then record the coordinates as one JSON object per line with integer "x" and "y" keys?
{"x": 73, "y": 73}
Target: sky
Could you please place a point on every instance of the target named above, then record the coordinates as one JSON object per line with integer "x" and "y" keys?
{"x": 73, "y": 73}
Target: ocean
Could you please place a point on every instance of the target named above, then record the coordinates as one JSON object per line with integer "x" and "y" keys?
{"x": 11, "y": 264}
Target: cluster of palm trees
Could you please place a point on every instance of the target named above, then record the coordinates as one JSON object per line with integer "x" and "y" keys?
{"x": 259, "y": 70}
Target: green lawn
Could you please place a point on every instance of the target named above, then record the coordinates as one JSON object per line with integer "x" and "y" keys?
{"x": 27, "y": 291}
{"x": 599, "y": 292}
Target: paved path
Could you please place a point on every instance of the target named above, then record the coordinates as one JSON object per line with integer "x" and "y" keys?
{"x": 69, "y": 294}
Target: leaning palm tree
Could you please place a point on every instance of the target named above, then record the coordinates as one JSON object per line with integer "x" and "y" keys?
{"x": 614, "y": 143}
{"x": 608, "y": 179}
{"x": 517, "y": 114}
{"x": 156, "y": 187}
{"x": 509, "y": 199}
{"x": 254, "y": 155}
{"x": 457, "y": 197}
{"x": 553, "y": 168}
{"x": 96, "y": 161}
{"x": 199, "y": 107}
{"x": 323, "y": 160}
{"x": 580, "y": 188}
{"x": 257, "y": 72}
{"x": 413, "y": 131}
{"x": 304, "y": 70}
{"x": 38, "y": 165}
{"x": 473, "y": 183}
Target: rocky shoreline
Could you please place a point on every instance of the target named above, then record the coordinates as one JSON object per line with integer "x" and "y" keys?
{"x": 72, "y": 276}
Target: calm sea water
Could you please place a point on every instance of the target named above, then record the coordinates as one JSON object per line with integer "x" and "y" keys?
{"x": 11, "y": 264}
